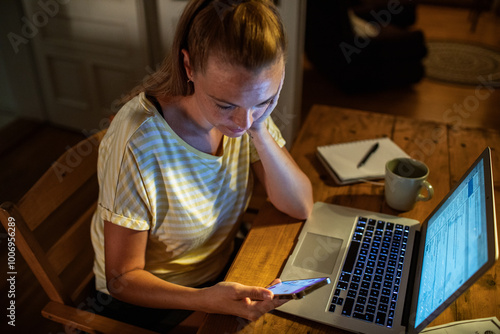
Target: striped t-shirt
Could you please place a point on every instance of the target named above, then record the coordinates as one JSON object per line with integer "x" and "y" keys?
{"x": 189, "y": 201}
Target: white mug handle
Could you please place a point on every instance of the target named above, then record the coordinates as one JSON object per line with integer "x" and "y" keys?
{"x": 430, "y": 192}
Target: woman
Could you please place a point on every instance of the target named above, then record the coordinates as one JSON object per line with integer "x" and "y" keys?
{"x": 175, "y": 167}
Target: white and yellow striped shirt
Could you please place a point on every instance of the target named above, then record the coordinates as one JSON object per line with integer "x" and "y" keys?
{"x": 189, "y": 201}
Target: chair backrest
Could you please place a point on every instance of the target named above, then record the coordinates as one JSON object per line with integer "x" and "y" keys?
{"x": 52, "y": 222}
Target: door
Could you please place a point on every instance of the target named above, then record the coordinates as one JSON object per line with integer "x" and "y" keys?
{"x": 88, "y": 54}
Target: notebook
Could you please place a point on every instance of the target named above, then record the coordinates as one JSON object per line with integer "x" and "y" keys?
{"x": 341, "y": 160}
{"x": 413, "y": 271}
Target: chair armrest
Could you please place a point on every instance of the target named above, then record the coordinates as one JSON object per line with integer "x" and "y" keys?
{"x": 73, "y": 318}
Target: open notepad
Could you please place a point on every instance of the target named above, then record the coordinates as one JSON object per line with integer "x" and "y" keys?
{"x": 341, "y": 160}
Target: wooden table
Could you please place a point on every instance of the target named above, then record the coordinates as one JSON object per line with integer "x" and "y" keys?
{"x": 446, "y": 149}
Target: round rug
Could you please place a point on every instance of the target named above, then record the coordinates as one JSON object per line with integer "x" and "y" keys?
{"x": 462, "y": 63}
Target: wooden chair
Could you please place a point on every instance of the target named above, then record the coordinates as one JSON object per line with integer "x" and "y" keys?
{"x": 52, "y": 232}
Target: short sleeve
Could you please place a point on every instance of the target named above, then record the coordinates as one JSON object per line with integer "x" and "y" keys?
{"x": 275, "y": 132}
{"x": 130, "y": 207}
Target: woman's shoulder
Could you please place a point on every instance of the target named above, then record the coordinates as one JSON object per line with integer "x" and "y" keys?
{"x": 137, "y": 120}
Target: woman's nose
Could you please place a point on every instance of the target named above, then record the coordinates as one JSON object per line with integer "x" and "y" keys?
{"x": 243, "y": 118}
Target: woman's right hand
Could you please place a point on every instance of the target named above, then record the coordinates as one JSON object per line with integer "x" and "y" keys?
{"x": 249, "y": 302}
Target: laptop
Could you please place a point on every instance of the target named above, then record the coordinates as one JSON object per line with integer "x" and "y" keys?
{"x": 392, "y": 274}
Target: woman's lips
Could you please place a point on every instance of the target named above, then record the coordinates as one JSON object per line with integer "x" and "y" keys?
{"x": 237, "y": 130}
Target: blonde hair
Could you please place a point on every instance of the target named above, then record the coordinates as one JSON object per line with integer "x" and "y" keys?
{"x": 245, "y": 33}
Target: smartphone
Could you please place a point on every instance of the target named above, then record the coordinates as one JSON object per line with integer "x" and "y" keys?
{"x": 297, "y": 289}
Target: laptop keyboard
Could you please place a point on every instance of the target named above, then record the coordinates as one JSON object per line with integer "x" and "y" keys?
{"x": 368, "y": 287}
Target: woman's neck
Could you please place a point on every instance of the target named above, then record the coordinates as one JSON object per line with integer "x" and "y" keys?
{"x": 184, "y": 119}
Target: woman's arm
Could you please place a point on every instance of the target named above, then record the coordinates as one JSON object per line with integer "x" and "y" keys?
{"x": 128, "y": 281}
{"x": 288, "y": 188}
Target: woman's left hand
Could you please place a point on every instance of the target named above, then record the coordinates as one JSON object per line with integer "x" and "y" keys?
{"x": 287, "y": 187}
{"x": 257, "y": 123}
{"x": 249, "y": 302}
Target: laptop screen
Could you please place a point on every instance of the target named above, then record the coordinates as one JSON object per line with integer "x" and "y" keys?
{"x": 456, "y": 243}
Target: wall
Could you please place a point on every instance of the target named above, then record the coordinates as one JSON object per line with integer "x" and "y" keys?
{"x": 20, "y": 77}
{"x": 19, "y": 90}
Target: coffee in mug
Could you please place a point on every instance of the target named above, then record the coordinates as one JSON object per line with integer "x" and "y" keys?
{"x": 404, "y": 180}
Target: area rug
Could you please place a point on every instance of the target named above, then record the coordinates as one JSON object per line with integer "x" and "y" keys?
{"x": 462, "y": 63}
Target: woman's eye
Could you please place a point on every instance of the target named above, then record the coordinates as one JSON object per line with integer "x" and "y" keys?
{"x": 224, "y": 107}
{"x": 265, "y": 104}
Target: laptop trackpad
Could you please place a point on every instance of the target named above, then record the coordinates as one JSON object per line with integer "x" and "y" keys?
{"x": 318, "y": 253}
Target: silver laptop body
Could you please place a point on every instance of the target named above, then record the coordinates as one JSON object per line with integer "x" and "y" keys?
{"x": 436, "y": 264}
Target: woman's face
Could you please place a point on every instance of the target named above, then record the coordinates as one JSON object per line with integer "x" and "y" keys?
{"x": 231, "y": 98}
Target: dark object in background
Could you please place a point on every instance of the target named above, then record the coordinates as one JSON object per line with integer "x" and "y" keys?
{"x": 392, "y": 57}
{"x": 405, "y": 17}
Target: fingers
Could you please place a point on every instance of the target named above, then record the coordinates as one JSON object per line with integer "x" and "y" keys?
{"x": 249, "y": 302}
{"x": 261, "y": 307}
{"x": 258, "y": 301}
{"x": 275, "y": 281}
{"x": 255, "y": 308}
{"x": 278, "y": 302}
{"x": 254, "y": 293}
{"x": 273, "y": 105}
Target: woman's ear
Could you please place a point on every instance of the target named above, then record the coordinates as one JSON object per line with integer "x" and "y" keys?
{"x": 187, "y": 64}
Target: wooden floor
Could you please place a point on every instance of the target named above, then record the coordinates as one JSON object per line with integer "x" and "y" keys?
{"x": 428, "y": 99}
{"x": 28, "y": 148}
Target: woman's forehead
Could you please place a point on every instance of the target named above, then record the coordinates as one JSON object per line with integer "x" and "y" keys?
{"x": 235, "y": 80}
{"x": 218, "y": 67}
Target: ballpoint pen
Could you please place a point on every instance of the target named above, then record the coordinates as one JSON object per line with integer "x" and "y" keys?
{"x": 368, "y": 155}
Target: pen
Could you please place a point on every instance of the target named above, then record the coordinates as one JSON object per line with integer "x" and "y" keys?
{"x": 368, "y": 155}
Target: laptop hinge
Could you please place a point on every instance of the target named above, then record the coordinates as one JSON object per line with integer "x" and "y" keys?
{"x": 411, "y": 281}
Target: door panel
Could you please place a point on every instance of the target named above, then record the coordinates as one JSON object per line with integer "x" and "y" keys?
{"x": 88, "y": 53}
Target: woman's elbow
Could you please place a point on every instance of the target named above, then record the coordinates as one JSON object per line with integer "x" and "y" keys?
{"x": 307, "y": 202}
{"x": 299, "y": 210}
{"x": 303, "y": 211}
{"x": 114, "y": 287}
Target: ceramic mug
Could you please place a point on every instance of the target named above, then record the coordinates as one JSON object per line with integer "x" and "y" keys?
{"x": 404, "y": 180}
